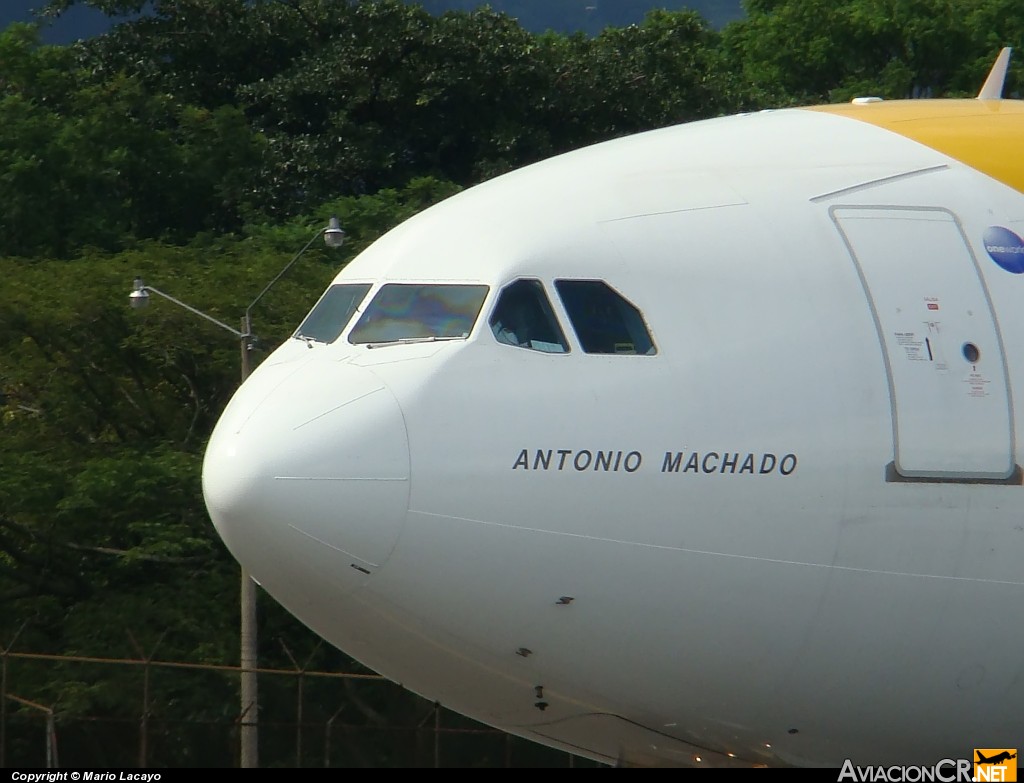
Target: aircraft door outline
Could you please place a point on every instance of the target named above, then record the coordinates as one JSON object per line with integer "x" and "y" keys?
{"x": 952, "y": 415}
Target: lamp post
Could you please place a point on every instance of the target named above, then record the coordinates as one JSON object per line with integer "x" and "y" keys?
{"x": 334, "y": 237}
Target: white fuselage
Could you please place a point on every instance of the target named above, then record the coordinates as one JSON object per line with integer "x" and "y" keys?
{"x": 785, "y": 537}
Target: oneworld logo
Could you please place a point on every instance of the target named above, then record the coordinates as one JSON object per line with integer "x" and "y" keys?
{"x": 1005, "y": 248}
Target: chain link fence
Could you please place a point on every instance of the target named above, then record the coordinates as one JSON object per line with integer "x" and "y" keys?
{"x": 144, "y": 712}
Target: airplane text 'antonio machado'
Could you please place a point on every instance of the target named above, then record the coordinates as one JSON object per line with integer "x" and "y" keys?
{"x": 700, "y": 462}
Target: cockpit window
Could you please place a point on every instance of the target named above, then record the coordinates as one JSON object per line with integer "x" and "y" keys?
{"x": 603, "y": 321}
{"x": 523, "y": 317}
{"x": 332, "y": 313}
{"x": 402, "y": 312}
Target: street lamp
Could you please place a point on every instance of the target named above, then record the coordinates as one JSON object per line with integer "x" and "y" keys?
{"x": 334, "y": 237}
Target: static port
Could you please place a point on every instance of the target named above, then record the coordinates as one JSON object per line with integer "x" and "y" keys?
{"x": 971, "y": 353}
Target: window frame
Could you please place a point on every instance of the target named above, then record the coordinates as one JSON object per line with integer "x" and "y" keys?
{"x": 637, "y": 311}
{"x": 547, "y": 309}
{"x": 297, "y": 334}
{"x": 377, "y": 290}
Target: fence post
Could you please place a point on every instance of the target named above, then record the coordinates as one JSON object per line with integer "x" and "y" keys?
{"x": 52, "y": 762}
{"x": 51, "y": 728}
{"x": 437, "y": 735}
{"x": 144, "y": 718}
{"x": 298, "y": 699}
{"x": 327, "y": 736}
{"x": 3, "y": 708}
{"x": 144, "y": 722}
{"x": 4, "y": 652}
{"x": 298, "y": 704}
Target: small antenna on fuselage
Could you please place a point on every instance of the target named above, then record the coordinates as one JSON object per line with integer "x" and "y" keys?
{"x": 992, "y": 90}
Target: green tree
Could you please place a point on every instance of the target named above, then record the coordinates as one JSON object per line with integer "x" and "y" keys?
{"x": 353, "y": 97}
{"x": 104, "y": 415}
{"x": 806, "y": 51}
{"x": 101, "y": 163}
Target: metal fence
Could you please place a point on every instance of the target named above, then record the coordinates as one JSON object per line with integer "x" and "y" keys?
{"x": 142, "y": 712}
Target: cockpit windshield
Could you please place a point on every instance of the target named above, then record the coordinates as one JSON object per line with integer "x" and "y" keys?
{"x": 332, "y": 313}
{"x": 404, "y": 312}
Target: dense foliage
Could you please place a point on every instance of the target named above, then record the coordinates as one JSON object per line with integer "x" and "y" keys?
{"x": 201, "y": 147}
{"x": 567, "y": 16}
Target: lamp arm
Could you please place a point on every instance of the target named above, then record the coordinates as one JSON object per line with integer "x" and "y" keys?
{"x": 289, "y": 265}
{"x": 191, "y": 309}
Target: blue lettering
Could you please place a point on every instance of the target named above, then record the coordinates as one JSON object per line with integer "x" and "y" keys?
{"x": 708, "y": 456}
{"x": 729, "y": 463}
{"x": 672, "y": 464}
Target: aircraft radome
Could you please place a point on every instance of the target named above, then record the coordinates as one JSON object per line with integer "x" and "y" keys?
{"x": 699, "y": 444}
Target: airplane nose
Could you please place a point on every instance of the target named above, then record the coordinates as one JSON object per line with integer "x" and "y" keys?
{"x": 307, "y": 473}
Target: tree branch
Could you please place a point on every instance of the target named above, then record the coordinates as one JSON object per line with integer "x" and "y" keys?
{"x": 310, "y": 21}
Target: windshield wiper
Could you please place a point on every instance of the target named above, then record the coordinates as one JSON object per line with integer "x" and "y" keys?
{"x": 412, "y": 340}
